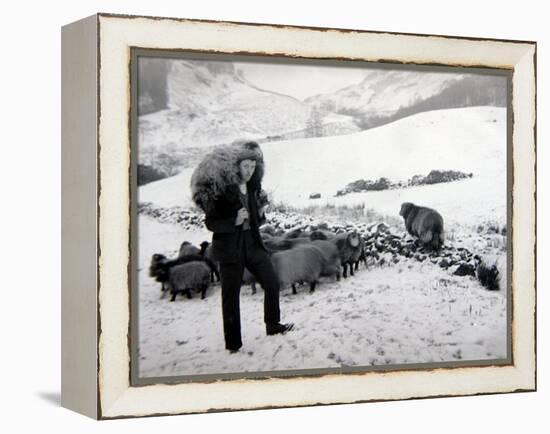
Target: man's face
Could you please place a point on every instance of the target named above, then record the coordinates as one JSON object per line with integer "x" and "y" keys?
{"x": 246, "y": 169}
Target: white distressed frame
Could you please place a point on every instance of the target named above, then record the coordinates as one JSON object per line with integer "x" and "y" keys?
{"x": 116, "y": 35}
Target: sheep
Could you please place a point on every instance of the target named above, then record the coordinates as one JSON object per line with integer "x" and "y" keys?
{"x": 331, "y": 257}
{"x": 267, "y": 229}
{"x": 303, "y": 263}
{"x": 185, "y": 277}
{"x": 424, "y": 223}
{"x": 358, "y": 255}
{"x": 266, "y": 236}
{"x": 277, "y": 244}
{"x": 160, "y": 267}
{"x": 249, "y": 278}
{"x": 206, "y": 253}
{"x": 159, "y": 270}
{"x": 293, "y": 242}
{"x": 187, "y": 248}
{"x": 321, "y": 234}
{"x": 297, "y": 233}
{"x": 349, "y": 245}
{"x": 362, "y": 257}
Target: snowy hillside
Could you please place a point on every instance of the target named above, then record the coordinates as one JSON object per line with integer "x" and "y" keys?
{"x": 210, "y": 103}
{"x": 468, "y": 139}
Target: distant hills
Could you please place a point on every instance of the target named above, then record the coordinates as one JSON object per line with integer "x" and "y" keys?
{"x": 384, "y": 96}
{"x": 188, "y": 106}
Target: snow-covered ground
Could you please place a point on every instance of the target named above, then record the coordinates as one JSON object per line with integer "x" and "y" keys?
{"x": 409, "y": 312}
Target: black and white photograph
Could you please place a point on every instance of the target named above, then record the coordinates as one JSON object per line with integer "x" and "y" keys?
{"x": 301, "y": 216}
{"x": 285, "y": 217}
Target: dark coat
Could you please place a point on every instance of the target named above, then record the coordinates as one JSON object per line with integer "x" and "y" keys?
{"x": 220, "y": 219}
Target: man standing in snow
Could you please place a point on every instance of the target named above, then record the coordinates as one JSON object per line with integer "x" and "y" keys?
{"x": 234, "y": 217}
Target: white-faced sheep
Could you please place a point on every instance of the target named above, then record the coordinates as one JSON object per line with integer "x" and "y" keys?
{"x": 190, "y": 276}
{"x": 349, "y": 246}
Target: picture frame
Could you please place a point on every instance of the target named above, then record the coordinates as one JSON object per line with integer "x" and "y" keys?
{"x": 97, "y": 180}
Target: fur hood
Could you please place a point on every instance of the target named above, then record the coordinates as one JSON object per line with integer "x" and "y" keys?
{"x": 219, "y": 170}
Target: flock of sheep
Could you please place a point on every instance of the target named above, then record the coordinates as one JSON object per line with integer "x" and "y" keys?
{"x": 299, "y": 255}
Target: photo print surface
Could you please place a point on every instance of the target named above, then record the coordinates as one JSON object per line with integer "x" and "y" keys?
{"x": 385, "y": 215}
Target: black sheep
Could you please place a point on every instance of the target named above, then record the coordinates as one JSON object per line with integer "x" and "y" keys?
{"x": 187, "y": 248}
{"x": 184, "y": 278}
{"x": 424, "y": 223}
{"x": 206, "y": 253}
{"x": 349, "y": 247}
{"x": 160, "y": 267}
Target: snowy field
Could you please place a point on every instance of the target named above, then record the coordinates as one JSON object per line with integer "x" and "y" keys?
{"x": 409, "y": 312}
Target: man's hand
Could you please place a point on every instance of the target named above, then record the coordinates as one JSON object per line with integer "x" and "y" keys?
{"x": 242, "y": 215}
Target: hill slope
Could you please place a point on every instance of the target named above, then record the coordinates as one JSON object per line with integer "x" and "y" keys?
{"x": 469, "y": 140}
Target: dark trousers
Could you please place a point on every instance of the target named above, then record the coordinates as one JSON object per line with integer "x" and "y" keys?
{"x": 253, "y": 257}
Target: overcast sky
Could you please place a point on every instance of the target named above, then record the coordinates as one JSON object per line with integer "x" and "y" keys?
{"x": 300, "y": 81}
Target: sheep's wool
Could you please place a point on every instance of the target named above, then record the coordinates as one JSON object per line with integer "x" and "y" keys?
{"x": 217, "y": 171}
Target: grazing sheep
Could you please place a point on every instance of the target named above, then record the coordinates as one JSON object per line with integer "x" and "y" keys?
{"x": 424, "y": 223}
{"x": 187, "y": 248}
{"x": 303, "y": 263}
{"x": 349, "y": 247}
{"x": 186, "y": 277}
{"x": 206, "y": 253}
